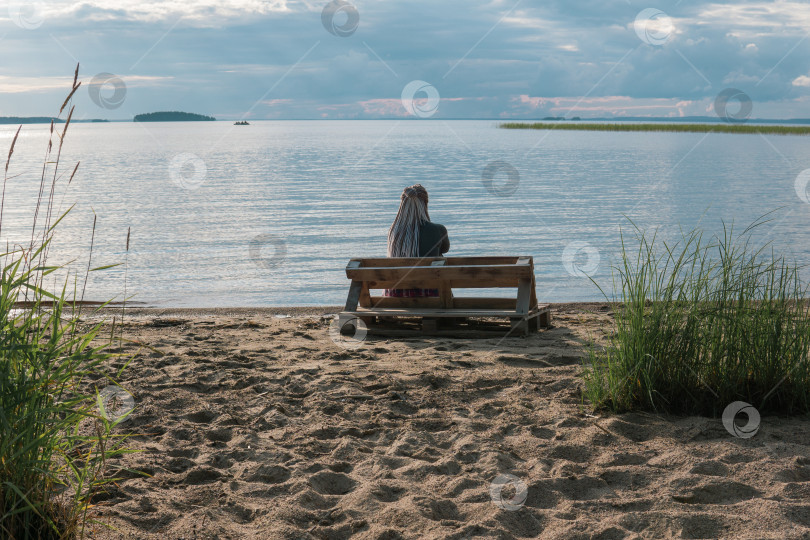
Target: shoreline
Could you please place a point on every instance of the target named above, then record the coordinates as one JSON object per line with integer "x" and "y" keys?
{"x": 287, "y": 311}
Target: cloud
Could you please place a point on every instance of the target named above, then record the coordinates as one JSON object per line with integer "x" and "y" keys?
{"x": 756, "y": 18}
{"x": 193, "y": 12}
{"x": 608, "y": 106}
{"x": 802, "y": 80}
{"x": 227, "y": 55}
{"x": 16, "y": 85}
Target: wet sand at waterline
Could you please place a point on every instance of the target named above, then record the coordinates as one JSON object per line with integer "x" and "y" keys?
{"x": 254, "y": 423}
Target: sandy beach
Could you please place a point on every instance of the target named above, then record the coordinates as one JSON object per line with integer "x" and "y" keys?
{"x": 255, "y": 423}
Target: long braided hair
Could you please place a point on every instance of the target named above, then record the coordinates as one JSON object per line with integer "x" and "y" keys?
{"x": 403, "y": 236}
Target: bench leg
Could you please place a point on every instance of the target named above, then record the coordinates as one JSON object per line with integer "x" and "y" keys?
{"x": 429, "y": 326}
{"x": 544, "y": 319}
{"x": 347, "y": 324}
{"x": 520, "y": 326}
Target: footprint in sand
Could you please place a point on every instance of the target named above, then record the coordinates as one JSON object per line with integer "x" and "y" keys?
{"x": 799, "y": 514}
{"x": 202, "y": 475}
{"x": 219, "y": 435}
{"x": 710, "y": 468}
{"x": 331, "y": 483}
{"x": 635, "y": 431}
{"x": 241, "y": 514}
{"x": 388, "y": 493}
{"x": 622, "y": 459}
{"x": 437, "y": 509}
{"x": 179, "y": 465}
{"x": 458, "y": 486}
{"x": 575, "y": 453}
{"x": 269, "y": 474}
{"x": 793, "y": 474}
{"x": 542, "y": 432}
{"x": 524, "y": 524}
{"x": 201, "y": 417}
{"x": 714, "y": 492}
{"x": 699, "y": 526}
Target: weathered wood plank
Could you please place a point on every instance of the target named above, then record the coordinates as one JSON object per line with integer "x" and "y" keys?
{"x": 376, "y": 262}
{"x": 365, "y": 295}
{"x": 446, "y": 295}
{"x": 468, "y": 303}
{"x": 480, "y": 273}
{"x": 483, "y": 303}
{"x": 436, "y": 312}
{"x": 405, "y": 302}
{"x": 524, "y": 295}
{"x": 354, "y": 295}
{"x": 491, "y": 283}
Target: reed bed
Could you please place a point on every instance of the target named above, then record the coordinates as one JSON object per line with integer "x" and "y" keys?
{"x": 676, "y": 128}
{"x": 55, "y": 436}
{"x": 701, "y": 324}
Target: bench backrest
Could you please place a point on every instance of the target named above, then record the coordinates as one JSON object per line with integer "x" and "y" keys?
{"x": 444, "y": 273}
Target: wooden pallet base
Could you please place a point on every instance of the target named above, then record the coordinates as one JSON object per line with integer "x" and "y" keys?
{"x": 444, "y": 312}
{"x": 443, "y": 323}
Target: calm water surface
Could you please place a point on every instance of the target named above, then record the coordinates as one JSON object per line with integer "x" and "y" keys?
{"x": 269, "y": 214}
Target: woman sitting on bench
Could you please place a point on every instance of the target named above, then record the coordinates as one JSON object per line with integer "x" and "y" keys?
{"x": 413, "y": 235}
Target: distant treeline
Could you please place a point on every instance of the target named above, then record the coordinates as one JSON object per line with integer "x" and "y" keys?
{"x": 39, "y": 120}
{"x": 683, "y": 128}
{"x": 173, "y": 116}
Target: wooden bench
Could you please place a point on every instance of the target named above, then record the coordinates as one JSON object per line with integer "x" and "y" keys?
{"x": 444, "y": 274}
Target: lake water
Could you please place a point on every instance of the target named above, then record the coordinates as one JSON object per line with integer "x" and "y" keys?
{"x": 269, "y": 214}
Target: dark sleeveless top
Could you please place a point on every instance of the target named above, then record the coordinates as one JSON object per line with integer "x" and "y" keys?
{"x": 433, "y": 240}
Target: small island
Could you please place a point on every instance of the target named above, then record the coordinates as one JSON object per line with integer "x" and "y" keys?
{"x": 41, "y": 120}
{"x": 172, "y": 116}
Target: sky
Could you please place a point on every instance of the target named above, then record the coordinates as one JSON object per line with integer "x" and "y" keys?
{"x": 368, "y": 59}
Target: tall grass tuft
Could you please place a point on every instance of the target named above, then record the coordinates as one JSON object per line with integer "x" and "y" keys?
{"x": 703, "y": 323}
{"x": 54, "y": 438}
